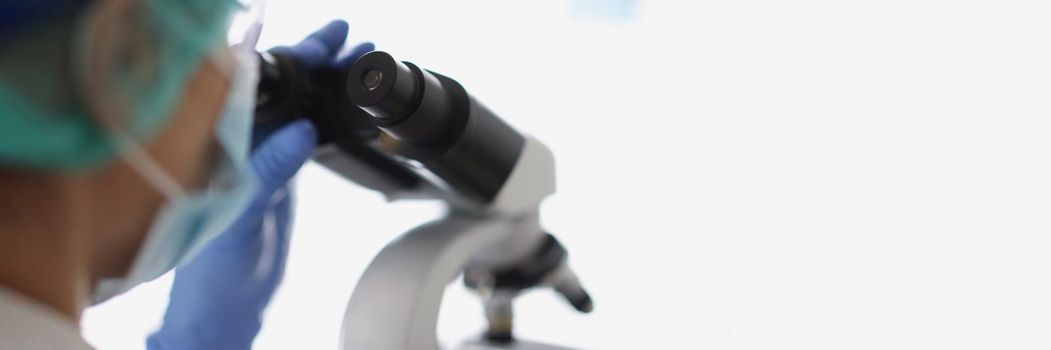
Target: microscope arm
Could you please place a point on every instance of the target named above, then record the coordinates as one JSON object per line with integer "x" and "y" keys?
{"x": 396, "y": 302}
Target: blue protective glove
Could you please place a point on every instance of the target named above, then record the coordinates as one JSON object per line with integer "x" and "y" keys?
{"x": 218, "y": 298}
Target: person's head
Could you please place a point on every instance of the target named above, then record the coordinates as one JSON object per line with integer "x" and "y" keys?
{"x": 75, "y": 77}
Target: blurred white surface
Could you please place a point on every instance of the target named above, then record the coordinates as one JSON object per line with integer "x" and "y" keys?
{"x": 732, "y": 174}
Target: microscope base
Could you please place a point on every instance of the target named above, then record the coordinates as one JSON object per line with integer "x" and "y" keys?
{"x": 517, "y": 345}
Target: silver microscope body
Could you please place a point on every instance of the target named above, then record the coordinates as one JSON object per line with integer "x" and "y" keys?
{"x": 411, "y": 133}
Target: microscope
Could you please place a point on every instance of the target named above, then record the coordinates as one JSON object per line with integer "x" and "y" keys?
{"x": 410, "y": 133}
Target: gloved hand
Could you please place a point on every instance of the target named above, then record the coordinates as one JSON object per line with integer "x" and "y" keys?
{"x": 218, "y": 298}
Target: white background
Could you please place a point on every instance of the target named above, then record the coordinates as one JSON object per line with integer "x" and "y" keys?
{"x": 733, "y": 174}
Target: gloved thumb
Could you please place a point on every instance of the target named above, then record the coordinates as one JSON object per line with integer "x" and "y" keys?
{"x": 319, "y": 48}
{"x": 282, "y": 154}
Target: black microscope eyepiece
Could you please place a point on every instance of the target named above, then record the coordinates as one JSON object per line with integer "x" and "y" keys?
{"x": 411, "y": 104}
{"x": 384, "y": 87}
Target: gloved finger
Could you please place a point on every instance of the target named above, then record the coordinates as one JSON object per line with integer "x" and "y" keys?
{"x": 261, "y": 132}
{"x": 322, "y": 46}
{"x": 276, "y": 241}
{"x": 283, "y": 213}
{"x": 331, "y": 36}
{"x": 282, "y": 154}
{"x": 264, "y": 223}
{"x": 355, "y": 53}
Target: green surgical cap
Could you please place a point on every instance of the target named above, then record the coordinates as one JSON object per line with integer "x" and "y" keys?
{"x": 41, "y": 131}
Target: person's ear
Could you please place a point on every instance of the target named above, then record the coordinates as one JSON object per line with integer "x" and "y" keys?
{"x": 116, "y": 58}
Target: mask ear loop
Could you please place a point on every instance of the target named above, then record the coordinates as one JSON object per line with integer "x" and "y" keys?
{"x": 257, "y": 10}
{"x": 100, "y": 40}
{"x": 234, "y": 51}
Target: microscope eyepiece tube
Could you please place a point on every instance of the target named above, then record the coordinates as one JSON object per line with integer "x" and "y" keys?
{"x": 432, "y": 119}
{"x": 393, "y": 91}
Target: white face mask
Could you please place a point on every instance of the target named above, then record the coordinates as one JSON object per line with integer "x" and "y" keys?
{"x": 189, "y": 220}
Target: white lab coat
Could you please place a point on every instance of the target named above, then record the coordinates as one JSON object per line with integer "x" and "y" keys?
{"x": 29, "y": 325}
